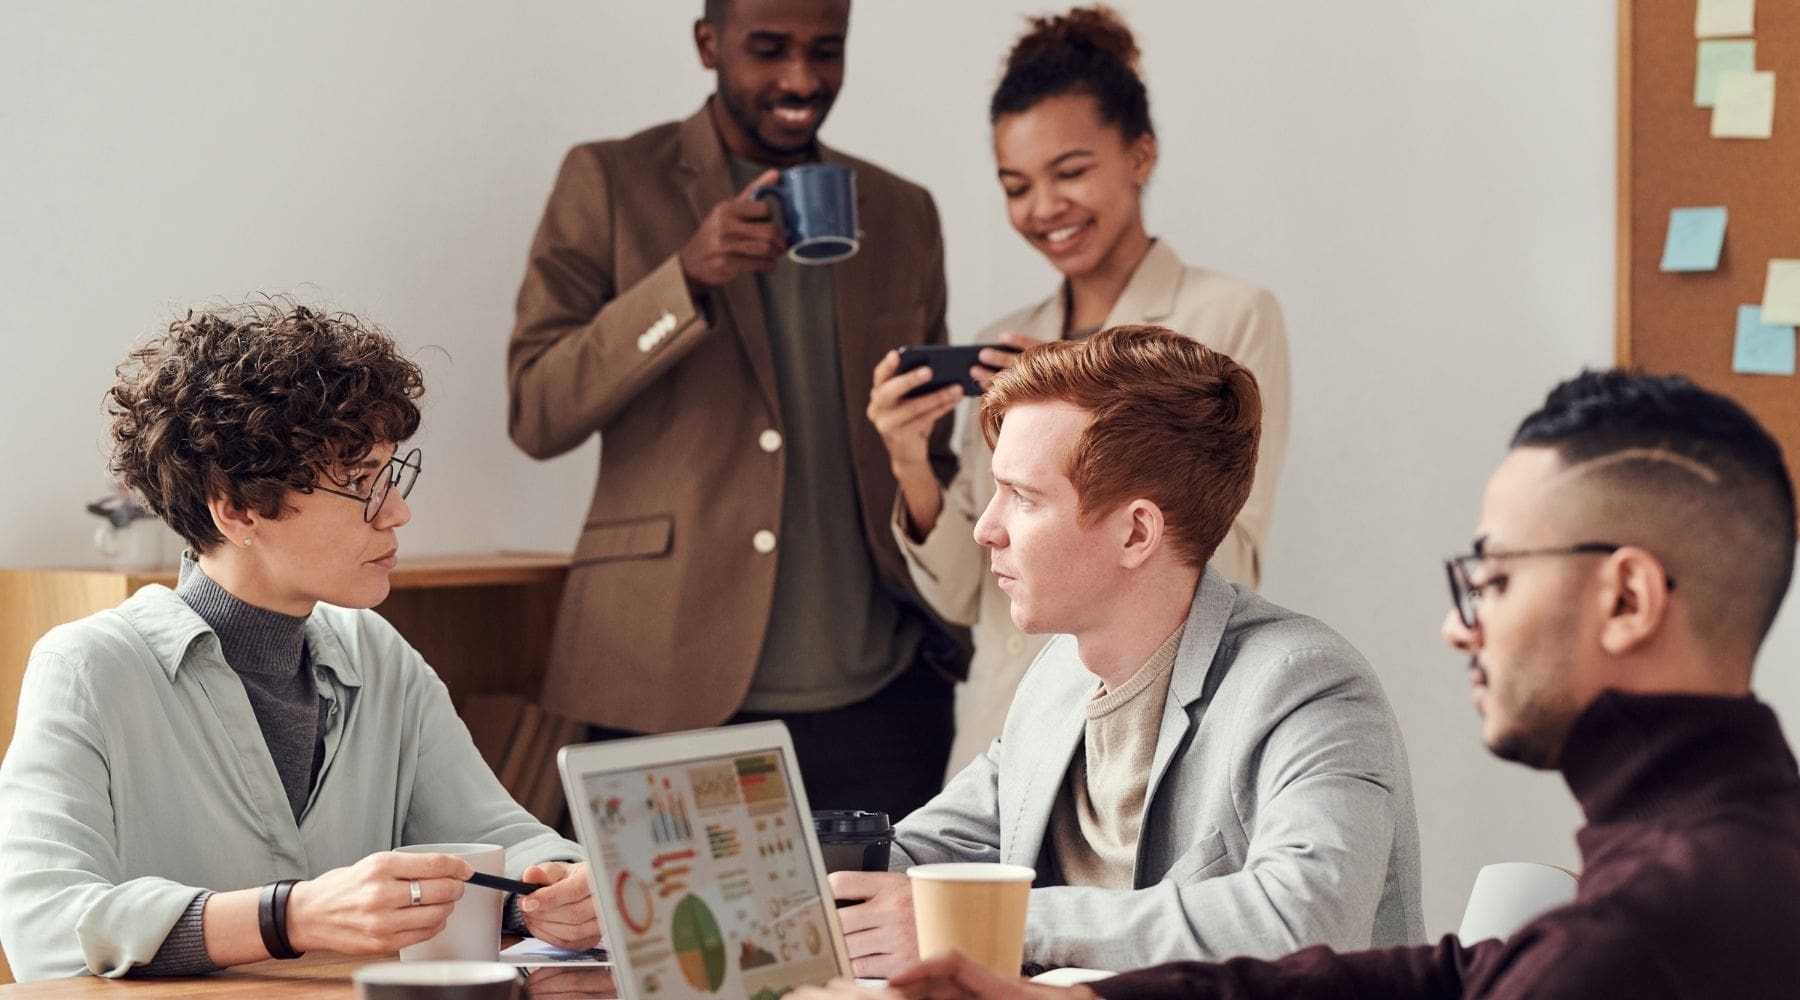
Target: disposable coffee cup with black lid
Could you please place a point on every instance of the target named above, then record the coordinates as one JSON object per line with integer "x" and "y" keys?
{"x": 853, "y": 840}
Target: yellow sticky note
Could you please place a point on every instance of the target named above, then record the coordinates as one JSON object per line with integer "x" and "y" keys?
{"x": 1781, "y": 293}
{"x": 1745, "y": 106}
{"x": 1725, "y": 18}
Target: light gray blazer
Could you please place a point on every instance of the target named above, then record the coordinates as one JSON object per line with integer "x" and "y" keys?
{"x": 1279, "y": 812}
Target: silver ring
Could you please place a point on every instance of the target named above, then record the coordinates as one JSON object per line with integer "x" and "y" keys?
{"x": 418, "y": 896}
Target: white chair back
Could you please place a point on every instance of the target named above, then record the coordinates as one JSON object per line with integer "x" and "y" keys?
{"x": 1511, "y": 894}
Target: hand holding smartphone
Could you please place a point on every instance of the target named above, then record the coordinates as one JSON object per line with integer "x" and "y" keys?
{"x": 949, "y": 364}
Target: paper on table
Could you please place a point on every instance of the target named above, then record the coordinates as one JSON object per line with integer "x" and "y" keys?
{"x": 1696, "y": 235}
{"x": 1762, "y": 348}
{"x": 1744, "y": 106}
{"x": 1715, "y": 57}
{"x": 1781, "y": 292}
{"x": 1071, "y": 976}
{"x": 532, "y": 953}
{"x": 1714, "y": 18}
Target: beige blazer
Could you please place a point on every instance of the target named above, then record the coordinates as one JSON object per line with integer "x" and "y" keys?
{"x": 1227, "y": 315}
{"x": 668, "y": 594}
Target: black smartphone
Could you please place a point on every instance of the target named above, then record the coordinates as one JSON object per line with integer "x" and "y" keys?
{"x": 949, "y": 363}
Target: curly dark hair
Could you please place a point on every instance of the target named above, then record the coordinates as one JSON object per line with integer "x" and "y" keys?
{"x": 249, "y": 401}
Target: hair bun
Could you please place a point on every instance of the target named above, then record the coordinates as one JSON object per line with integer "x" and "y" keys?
{"x": 1096, "y": 27}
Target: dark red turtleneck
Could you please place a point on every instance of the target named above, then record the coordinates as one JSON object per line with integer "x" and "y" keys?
{"x": 1690, "y": 880}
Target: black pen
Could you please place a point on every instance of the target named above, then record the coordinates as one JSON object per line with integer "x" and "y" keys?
{"x": 503, "y": 884}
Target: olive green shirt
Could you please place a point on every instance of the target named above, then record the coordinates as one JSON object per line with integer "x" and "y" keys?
{"x": 835, "y": 635}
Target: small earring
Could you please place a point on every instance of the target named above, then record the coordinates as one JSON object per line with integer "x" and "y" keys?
{"x": 247, "y": 542}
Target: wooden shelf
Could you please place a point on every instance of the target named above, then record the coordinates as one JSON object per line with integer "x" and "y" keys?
{"x": 484, "y": 570}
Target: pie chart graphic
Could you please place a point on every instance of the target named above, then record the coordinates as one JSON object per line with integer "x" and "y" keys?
{"x": 699, "y": 948}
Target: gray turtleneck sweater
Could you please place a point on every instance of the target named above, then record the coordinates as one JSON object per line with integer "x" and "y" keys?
{"x": 268, "y": 651}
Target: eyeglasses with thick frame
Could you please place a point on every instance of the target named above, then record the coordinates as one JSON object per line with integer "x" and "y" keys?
{"x": 1465, "y": 593}
{"x": 400, "y": 471}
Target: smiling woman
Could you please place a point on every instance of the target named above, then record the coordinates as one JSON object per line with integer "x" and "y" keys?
{"x": 257, "y": 725}
{"x": 1074, "y": 146}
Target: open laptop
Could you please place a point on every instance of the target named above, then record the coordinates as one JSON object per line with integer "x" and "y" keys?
{"x": 705, "y": 867}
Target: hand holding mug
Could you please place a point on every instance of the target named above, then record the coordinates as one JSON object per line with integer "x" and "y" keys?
{"x": 367, "y": 908}
{"x": 738, "y": 235}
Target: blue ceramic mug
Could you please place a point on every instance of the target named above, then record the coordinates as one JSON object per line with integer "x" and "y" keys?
{"x": 818, "y": 210}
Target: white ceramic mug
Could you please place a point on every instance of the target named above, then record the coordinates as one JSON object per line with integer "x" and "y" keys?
{"x": 472, "y": 933}
{"x": 138, "y": 545}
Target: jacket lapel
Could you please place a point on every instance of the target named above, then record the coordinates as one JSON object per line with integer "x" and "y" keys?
{"x": 1046, "y": 321}
{"x": 1206, "y": 622}
{"x": 1029, "y": 819}
{"x": 706, "y": 181}
{"x": 1149, "y": 297}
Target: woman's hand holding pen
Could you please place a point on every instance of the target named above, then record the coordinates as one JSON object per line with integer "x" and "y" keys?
{"x": 562, "y": 912}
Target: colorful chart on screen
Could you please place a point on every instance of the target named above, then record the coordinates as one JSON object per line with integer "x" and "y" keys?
{"x": 711, "y": 878}
{"x": 698, "y": 946}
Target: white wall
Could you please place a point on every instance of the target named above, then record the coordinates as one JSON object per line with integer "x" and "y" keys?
{"x": 1428, "y": 188}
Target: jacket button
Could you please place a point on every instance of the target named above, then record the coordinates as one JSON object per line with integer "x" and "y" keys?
{"x": 763, "y": 541}
{"x": 769, "y": 440}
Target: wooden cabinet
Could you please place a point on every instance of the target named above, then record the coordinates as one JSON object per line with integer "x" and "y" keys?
{"x": 482, "y": 622}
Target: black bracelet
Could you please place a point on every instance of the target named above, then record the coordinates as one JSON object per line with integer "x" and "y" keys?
{"x": 271, "y": 918}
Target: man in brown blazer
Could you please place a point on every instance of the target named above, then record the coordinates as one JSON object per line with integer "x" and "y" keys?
{"x": 736, "y": 563}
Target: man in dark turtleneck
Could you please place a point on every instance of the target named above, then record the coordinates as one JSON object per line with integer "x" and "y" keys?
{"x": 1633, "y": 549}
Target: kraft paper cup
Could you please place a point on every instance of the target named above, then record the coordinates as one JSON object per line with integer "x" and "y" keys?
{"x": 472, "y": 934}
{"x": 436, "y": 981}
{"x": 976, "y": 908}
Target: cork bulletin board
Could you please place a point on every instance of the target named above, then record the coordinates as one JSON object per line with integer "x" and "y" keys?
{"x": 1686, "y": 322}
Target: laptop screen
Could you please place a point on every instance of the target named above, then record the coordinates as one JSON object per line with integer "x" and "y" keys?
{"x": 710, "y": 882}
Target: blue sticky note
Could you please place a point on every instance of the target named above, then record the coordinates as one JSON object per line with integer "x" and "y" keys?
{"x": 1715, "y": 57}
{"x": 1762, "y": 349}
{"x": 1696, "y": 235}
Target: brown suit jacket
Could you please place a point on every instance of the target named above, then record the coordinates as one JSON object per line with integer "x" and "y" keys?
{"x": 668, "y": 596}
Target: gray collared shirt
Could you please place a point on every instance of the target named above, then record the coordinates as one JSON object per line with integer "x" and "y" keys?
{"x": 137, "y": 776}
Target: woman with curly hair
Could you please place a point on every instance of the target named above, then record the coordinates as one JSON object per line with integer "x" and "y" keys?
{"x": 1074, "y": 146}
{"x": 217, "y": 774}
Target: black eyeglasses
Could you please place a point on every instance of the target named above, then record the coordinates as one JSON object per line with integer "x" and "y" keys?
{"x": 400, "y": 471}
{"x": 1465, "y": 593}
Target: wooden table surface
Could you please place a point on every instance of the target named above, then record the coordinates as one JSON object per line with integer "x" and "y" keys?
{"x": 317, "y": 974}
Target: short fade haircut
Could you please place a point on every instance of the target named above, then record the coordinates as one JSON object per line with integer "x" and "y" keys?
{"x": 1743, "y": 495}
{"x": 249, "y": 401}
{"x": 1174, "y": 422}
